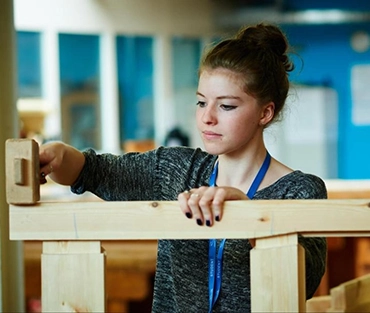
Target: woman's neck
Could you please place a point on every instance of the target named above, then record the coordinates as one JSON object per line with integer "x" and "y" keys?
{"x": 239, "y": 172}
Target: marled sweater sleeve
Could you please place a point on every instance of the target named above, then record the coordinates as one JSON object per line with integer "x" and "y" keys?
{"x": 159, "y": 174}
{"x": 125, "y": 177}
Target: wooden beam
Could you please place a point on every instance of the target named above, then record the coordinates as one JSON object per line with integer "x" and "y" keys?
{"x": 163, "y": 220}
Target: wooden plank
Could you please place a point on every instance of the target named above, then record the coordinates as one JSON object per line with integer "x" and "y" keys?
{"x": 351, "y": 296}
{"x": 22, "y": 171}
{"x": 348, "y": 189}
{"x": 318, "y": 304}
{"x": 163, "y": 220}
{"x": 73, "y": 282}
{"x": 278, "y": 275}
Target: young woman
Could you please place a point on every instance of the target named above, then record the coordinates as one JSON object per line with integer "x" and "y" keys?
{"x": 243, "y": 85}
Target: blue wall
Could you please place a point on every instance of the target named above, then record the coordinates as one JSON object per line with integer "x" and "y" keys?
{"x": 328, "y": 59}
{"x": 353, "y": 5}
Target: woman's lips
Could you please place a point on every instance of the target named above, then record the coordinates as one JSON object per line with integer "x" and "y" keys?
{"x": 209, "y": 135}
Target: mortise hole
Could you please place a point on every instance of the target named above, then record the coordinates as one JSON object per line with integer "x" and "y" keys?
{"x": 19, "y": 171}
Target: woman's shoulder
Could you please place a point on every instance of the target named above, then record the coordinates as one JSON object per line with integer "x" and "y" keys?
{"x": 179, "y": 150}
{"x": 183, "y": 154}
{"x": 298, "y": 176}
{"x": 297, "y": 185}
{"x": 185, "y": 158}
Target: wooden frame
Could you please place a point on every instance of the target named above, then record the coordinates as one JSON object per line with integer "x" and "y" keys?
{"x": 350, "y": 296}
{"x": 71, "y": 235}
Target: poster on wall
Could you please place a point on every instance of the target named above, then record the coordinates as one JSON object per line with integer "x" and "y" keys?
{"x": 360, "y": 94}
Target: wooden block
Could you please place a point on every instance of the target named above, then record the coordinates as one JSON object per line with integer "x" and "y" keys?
{"x": 22, "y": 171}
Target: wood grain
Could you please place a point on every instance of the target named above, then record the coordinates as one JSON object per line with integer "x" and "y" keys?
{"x": 163, "y": 220}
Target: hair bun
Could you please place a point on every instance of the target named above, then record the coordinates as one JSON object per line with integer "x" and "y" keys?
{"x": 263, "y": 37}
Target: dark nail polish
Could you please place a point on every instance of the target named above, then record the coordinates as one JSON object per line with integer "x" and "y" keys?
{"x": 188, "y": 215}
{"x": 208, "y": 223}
{"x": 199, "y": 222}
{"x": 217, "y": 218}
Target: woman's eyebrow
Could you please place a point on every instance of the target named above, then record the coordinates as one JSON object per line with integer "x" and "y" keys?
{"x": 228, "y": 97}
{"x": 220, "y": 97}
{"x": 199, "y": 94}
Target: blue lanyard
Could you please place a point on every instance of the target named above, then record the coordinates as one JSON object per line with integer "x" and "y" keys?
{"x": 214, "y": 257}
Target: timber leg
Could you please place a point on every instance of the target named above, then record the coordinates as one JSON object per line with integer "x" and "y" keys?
{"x": 278, "y": 275}
{"x": 73, "y": 276}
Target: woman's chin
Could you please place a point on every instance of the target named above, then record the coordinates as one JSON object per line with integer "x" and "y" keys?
{"x": 213, "y": 150}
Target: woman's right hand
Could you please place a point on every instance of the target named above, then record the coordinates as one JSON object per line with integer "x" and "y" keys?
{"x": 206, "y": 204}
{"x": 61, "y": 162}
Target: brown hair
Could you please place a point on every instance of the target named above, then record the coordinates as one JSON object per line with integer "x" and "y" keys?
{"x": 259, "y": 54}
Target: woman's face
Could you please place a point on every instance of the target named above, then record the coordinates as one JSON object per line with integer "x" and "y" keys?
{"x": 229, "y": 120}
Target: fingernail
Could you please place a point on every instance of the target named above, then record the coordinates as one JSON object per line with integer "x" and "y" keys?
{"x": 188, "y": 215}
{"x": 217, "y": 218}
{"x": 208, "y": 223}
{"x": 199, "y": 222}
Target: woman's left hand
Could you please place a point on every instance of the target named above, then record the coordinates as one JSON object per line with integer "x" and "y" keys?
{"x": 205, "y": 204}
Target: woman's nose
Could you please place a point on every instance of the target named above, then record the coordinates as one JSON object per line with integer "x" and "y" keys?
{"x": 209, "y": 115}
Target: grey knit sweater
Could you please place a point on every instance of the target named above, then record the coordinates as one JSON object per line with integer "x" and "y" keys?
{"x": 181, "y": 281}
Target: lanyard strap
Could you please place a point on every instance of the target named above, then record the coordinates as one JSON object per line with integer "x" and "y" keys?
{"x": 214, "y": 257}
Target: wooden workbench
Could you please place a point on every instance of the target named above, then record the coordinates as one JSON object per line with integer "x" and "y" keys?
{"x": 74, "y": 261}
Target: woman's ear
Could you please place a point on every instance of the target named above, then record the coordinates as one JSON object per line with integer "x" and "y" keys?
{"x": 267, "y": 113}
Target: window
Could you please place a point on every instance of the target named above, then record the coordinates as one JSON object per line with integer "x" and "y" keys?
{"x": 80, "y": 81}
{"x": 29, "y": 64}
{"x": 135, "y": 86}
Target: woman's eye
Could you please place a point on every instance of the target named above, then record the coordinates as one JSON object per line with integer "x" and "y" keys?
{"x": 201, "y": 104}
{"x": 227, "y": 107}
